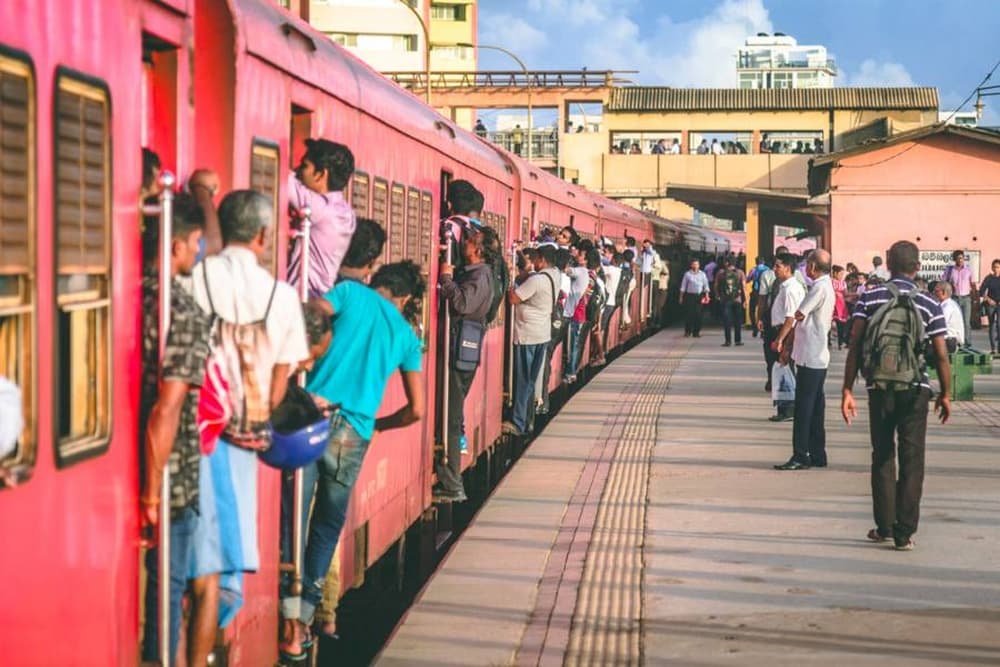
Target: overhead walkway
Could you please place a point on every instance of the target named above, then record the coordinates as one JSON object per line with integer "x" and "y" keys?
{"x": 646, "y": 526}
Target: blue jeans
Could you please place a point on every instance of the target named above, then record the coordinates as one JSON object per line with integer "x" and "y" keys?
{"x": 182, "y": 530}
{"x": 528, "y": 361}
{"x": 578, "y": 332}
{"x": 338, "y": 471}
{"x": 993, "y": 315}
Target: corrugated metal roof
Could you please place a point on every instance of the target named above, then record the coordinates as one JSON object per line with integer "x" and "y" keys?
{"x": 650, "y": 98}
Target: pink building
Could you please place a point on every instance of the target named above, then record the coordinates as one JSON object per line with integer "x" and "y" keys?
{"x": 938, "y": 186}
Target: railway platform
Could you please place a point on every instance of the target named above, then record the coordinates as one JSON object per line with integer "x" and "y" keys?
{"x": 646, "y": 525}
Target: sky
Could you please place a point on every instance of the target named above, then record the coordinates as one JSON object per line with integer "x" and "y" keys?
{"x": 950, "y": 45}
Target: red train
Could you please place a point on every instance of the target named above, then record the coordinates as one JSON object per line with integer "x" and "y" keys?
{"x": 234, "y": 85}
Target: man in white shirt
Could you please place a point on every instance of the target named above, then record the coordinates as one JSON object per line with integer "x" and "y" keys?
{"x": 955, "y": 338}
{"x": 236, "y": 288}
{"x": 811, "y": 354}
{"x": 694, "y": 287}
{"x": 612, "y": 277}
{"x": 788, "y": 295}
{"x": 716, "y": 147}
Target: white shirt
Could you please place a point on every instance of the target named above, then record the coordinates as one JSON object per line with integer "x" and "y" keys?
{"x": 953, "y": 320}
{"x": 765, "y": 282}
{"x": 811, "y": 347}
{"x": 579, "y": 279}
{"x": 786, "y": 302}
{"x": 533, "y": 316}
{"x": 613, "y": 274}
{"x": 882, "y": 272}
{"x": 675, "y": 149}
{"x": 648, "y": 258}
{"x": 241, "y": 289}
{"x": 716, "y": 148}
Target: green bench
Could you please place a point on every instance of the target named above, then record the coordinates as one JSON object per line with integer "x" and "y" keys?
{"x": 966, "y": 363}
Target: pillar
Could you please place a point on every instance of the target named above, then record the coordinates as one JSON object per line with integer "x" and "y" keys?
{"x": 752, "y": 229}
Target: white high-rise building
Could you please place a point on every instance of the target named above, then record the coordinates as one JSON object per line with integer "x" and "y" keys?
{"x": 779, "y": 61}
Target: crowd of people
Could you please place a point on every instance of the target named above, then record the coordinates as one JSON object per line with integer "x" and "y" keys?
{"x": 252, "y": 364}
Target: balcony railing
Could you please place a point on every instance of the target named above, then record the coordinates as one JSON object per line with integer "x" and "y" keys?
{"x": 513, "y": 79}
{"x": 545, "y": 143}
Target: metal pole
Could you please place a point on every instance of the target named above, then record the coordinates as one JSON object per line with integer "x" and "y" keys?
{"x": 427, "y": 49}
{"x": 166, "y": 242}
{"x": 510, "y": 329}
{"x": 297, "y": 482}
{"x": 446, "y": 351}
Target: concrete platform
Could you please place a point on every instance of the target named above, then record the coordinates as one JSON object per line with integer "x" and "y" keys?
{"x": 646, "y": 526}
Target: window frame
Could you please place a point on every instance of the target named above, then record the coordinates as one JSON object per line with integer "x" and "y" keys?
{"x": 396, "y": 227}
{"x": 381, "y": 216}
{"x": 269, "y": 149}
{"x": 22, "y": 462}
{"x": 70, "y": 451}
{"x": 362, "y": 178}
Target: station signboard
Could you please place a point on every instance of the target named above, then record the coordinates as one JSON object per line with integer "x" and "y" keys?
{"x": 934, "y": 262}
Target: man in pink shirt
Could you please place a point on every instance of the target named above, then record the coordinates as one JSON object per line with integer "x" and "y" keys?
{"x": 963, "y": 284}
{"x": 319, "y": 184}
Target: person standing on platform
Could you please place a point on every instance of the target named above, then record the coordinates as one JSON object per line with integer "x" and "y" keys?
{"x": 879, "y": 270}
{"x": 786, "y": 296}
{"x": 694, "y": 288}
{"x": 759, "y": 269}
{"x": 318, "y": 184}
{"x": 955, "y": 338}
{"x": 729, "y": 291}
{"x": 841, "y": 314}
{"x": 963, "y": 284}
{"x": 898, "y": 396}
{"x": 989, "y": 291}
{"x": 811, "y": 354}
{"x": 532, "y": 301}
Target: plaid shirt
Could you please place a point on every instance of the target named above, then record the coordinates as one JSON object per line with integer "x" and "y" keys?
{"x": 183, "y": 361}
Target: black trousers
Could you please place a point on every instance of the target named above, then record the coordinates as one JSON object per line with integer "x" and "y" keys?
{"x": 809, "y": 429}
{"x": 897, "y": 416}
{"x": 769, "y": 335}
{"x": 692, "y": 313}
{"x": 754, "y": 300}
{"x": 450, "y": 475}
{"x": 732, "y": 320}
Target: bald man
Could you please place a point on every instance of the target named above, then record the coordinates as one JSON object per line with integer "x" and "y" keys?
{"x": 811, "y": 354}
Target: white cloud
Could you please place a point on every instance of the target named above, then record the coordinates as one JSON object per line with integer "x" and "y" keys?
{"x": 878, "y": 74}
{"x": 605, "y": 34}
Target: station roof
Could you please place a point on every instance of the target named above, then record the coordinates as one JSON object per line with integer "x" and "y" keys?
{"x": 973, "y": 133}
{"x": 791, "y": 209}
{"x": 662, "y": 98}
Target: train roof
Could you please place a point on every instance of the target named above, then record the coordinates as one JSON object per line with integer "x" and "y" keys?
{"x": 287, "y": 42}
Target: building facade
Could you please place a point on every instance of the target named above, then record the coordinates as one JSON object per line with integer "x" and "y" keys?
{"x": 386, "y": 34}
{"x": 779, "y": 61}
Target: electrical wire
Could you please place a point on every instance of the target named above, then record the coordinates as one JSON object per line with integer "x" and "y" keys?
{"x": 944, "y": 122}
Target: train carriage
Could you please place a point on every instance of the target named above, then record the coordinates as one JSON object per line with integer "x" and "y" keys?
{"x": 82, "y": 86}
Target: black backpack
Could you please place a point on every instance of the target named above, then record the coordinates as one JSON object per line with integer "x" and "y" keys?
{"x": 892, "y": 346}
{"x": 556, "y": 316}
{"x": 598, "y": 297}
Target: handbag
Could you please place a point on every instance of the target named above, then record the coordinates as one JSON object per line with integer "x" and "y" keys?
{"x": 782, "y": 383}
{"x": 468, "y": 345}
{"x": 556, "y": 317}
{"x": 705, "y": 299}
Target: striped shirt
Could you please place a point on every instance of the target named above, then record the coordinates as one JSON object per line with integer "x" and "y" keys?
{"x": 927, "y": 306}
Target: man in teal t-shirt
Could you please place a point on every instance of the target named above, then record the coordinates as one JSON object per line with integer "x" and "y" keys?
{"x": 371, "y": 341}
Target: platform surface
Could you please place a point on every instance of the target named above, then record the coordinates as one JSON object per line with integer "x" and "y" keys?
{"x": 646, "y": 526}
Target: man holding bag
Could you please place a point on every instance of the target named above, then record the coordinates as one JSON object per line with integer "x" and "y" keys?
{"x": 788, "y": 295}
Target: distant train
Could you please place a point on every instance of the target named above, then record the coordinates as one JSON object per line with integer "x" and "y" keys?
{"x": 235, "y": 86}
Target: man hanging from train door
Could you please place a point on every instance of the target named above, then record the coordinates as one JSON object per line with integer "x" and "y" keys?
{"x": 318, "y": 184}
{"x": 168, "y": 425}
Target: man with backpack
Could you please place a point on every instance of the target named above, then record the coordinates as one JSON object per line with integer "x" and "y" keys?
{"x": 896, "y": 327}
{"x": 811, "y": 354}
{"x": 533, "y": 303}
{"x": 469, "y": 294}
{"x": 729, "y": 291}
{"x": 258, "y": 337}
{"x": 758, "y": 271}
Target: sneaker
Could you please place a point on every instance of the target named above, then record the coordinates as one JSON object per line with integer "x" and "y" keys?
{"x": 463, "y": 444}
{"x": 726, "y": 344}
{"x": 875, "y": 536}
{"x": 781, "y": 418}
{"x": 904, "y": 546}
{"x": 739, "y": 343}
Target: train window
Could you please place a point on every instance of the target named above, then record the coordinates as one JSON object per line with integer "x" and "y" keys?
{"x": 264, "y": 158}
{"x": 413, "y": 225}
{"x": 446, "y": 179}
{"x": 17, "y": 250}
{"x": 359, "y": 194}
{"x": 424, "y": 259}
{"x": 83, "y": 268}
{"x": 380, "y": 212}
{"x": 397, "y": 223}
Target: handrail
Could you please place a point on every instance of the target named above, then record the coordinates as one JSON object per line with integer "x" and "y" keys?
{"x": 512, "y": 79}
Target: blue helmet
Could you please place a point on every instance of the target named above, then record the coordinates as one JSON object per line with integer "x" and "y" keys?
{"x": 300, "y": 432}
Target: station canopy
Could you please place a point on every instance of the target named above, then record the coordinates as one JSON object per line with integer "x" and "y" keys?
{"x": 774, "y": 208}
